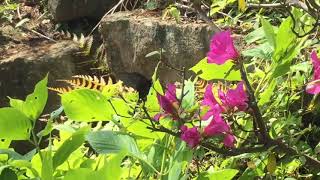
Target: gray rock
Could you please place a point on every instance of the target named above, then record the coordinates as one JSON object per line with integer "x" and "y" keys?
{"x": 130, "y": 36}
{"x": 20, "y": 72}
{"x": 64, "y": 10}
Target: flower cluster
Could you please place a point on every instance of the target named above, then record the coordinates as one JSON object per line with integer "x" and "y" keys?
{"x": 221, "y": 50}
{"x": 232, "y": 100}
{"x": 313, "y": 87}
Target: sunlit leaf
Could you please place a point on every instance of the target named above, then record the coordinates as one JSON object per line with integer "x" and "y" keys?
{"x": 69, "y": 146}
{"x": 86, "y": 105}
{"x": 225, "y": 174}
{"x": 212, "y": 71}
{"x": 35, "y": 102}
{"x": 14, "y": 124}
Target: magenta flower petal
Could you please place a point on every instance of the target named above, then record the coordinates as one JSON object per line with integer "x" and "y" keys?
{"x": 313, "y": 87}
{"x": 167, "y": 101}
{"x": 235, "y": 98}
{"x": 171, "y": 93}
{"x": 165, "y": 104}
{"x": 316, "y": 65}
{"x": 190, "y": 135}
{"x": 229, "y": 140}
{"x": 157, "y": 117}
{"x": 217, "y": 126}
{"x": 222, "y": 48}
{"x": 210, "y": 100}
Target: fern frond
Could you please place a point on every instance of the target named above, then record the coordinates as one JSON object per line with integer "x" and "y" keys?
{"x": 61, "y": 90}
{"x": 87, "y": 45}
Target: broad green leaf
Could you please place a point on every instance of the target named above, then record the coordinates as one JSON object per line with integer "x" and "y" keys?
{"x": 175, "y": 171}
{"x": 112, "y": 168}
{"x": 266, "y": 95}
{"x": 109, "y": 142}
{"x": 139, "y": 128}
{"x": 254, "y": 36}
{"x": 263, "y": 51}
{"x": 16, "y": 156}
{"x": 14, "y": 124}
{"x": 47, "y": 167}
{"x": 79, "y": 174}
{"x": 209, "y": 71}
{"x": 283, "y": 67}
{"x": 35, "y": 102}
{"x": 285, "y": 38}
{"x": 269, "y": 32}
{"x": 69, "y": 146}
{"x": 225, "y": 174}
{"x": 86, "y": 105}
{"x": 8, "y": 174}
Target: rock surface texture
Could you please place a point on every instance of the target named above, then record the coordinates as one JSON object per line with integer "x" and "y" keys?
{"x": 64, "y": 10}
{"x": 21, "y": 71}
{"x": 130, "y": 36}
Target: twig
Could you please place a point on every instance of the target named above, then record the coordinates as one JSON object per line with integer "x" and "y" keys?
{"x": 254, "y": 105}
{"x": 202, "y": 14}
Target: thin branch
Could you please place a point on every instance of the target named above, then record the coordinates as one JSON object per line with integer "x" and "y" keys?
{"x": 254, "y": 105}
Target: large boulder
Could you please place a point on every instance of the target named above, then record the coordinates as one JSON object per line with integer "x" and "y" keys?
{"x": 20, "y": 72}
{"x": 64, "y": 10}
{"x": 130, "y": 36}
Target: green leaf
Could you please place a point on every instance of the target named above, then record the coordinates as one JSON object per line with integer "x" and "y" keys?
{"x": 69, "y": 146}
{"x": 189, "y": 97}
{"x": 108, "y": 142}
{"x": 14, "y": 124}
{"x": 175, "y": 171}
{"x": 8, "y": 174}
{"x": 285, "y": 38}
{"x": 283, "y": 67}
{"x": 254, "y": 36}
{"x": 209, "y": 71}
{"x": 263, "y": 51}
{"x": 35, "y": 102}
{"x": 79, "y": 174}
{"x": 265, "y": 97}
{"x": 16, "y": 156}
{"x": 86, "y": 105}
{"x": 112, "y": 168}
{"x": 269, "y": 32}
{"x": 225, "y": 174}
{"x": 47, "y": 165}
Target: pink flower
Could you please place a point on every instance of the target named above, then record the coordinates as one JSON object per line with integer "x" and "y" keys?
{"x": 222, "y": 48}
{"x": 190, "y": 135}
{"x": 210, "y": 100}
{"x": 235, "y": 98}
{"x": 218, "y": 126}
{"x": 167, "y": 102}
{"x": 313, "y": 87}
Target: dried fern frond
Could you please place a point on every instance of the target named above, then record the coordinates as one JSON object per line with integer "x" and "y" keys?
{"x": 61, "y": 90}
{"x": 89, "y": 82}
